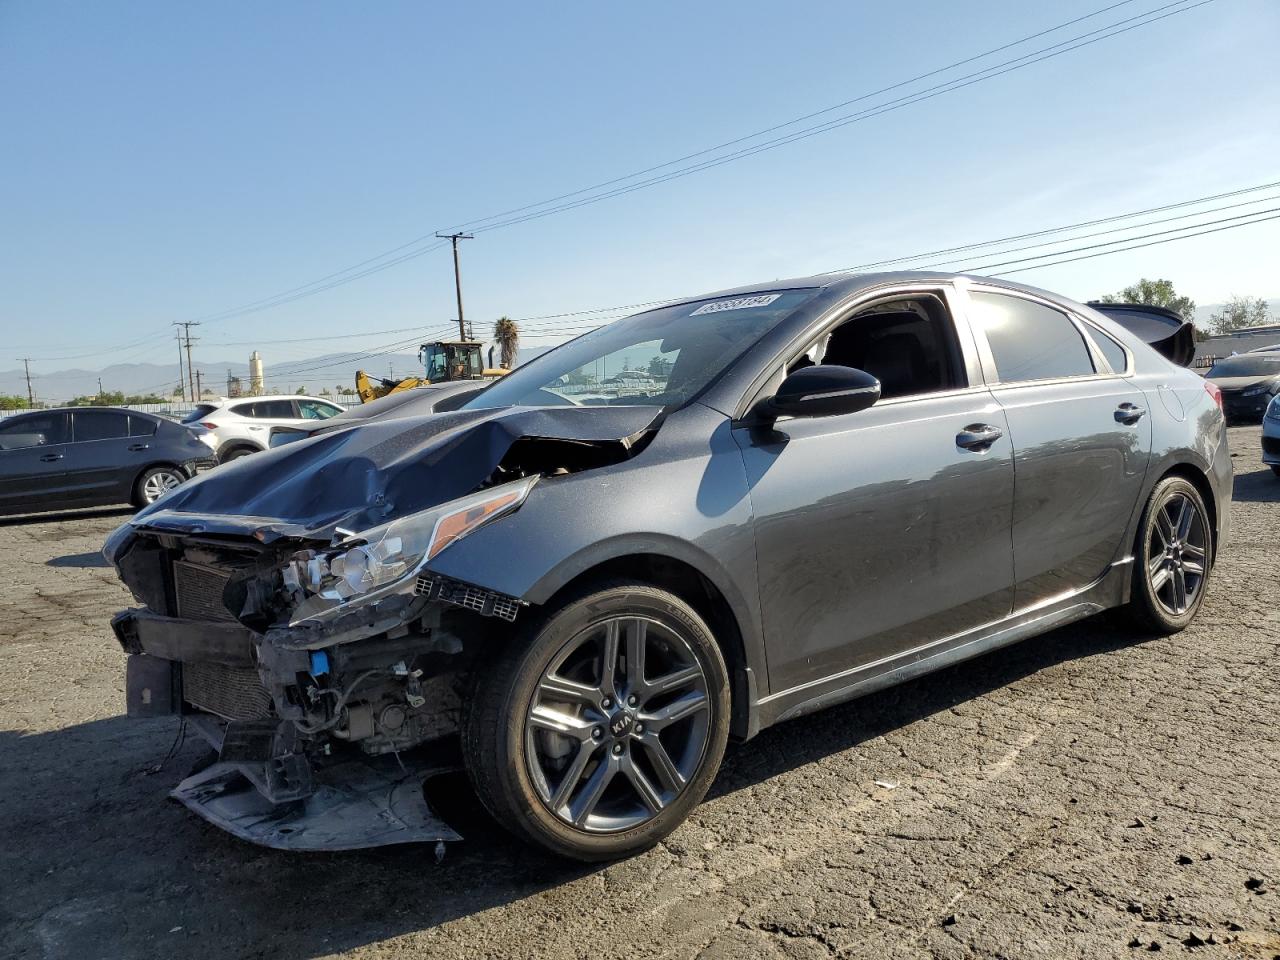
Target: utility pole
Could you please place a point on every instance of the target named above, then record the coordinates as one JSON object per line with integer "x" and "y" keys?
{"x": 186, "y": 326}
{"x": 31, "y": 397}
{"x": 99, "y": 388}
{"x": 199, "y": 386}
{"x": 182, "y": 377}
{"x": 457, "y": 276}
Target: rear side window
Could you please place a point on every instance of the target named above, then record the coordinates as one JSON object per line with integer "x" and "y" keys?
{"x": 274, "y": 410}
{"x": 1114, "y": 353}
{"x": 1030, "y": 341}
{"x": 244, "y": 409}
{"x": 100, "y": 425}
{"x": 142, "y": 426}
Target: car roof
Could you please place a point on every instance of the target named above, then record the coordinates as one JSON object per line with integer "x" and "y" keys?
{"x": 842, "y": 282}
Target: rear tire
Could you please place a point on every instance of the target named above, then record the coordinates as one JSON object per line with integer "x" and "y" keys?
{"x": 155, "y": 483}
{"x": 236, "y": 453}
{"x": 593, "y": 763}
{"x": 1173, "y": 558}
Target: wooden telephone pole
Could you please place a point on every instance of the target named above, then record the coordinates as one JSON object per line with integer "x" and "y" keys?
{"x": 31, "y": 397}
{"x": 457, "y": 276}
{"x": 186, "y": 341}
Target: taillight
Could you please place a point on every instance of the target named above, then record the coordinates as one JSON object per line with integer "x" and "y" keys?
{"x": 209, "y": 425}
{"x": 1212, "y": 390}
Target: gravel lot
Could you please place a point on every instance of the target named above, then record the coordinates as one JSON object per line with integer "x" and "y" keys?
{"x": 1084, "y": 794}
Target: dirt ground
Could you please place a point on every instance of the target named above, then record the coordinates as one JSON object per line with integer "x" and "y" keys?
{"x": 1083, "y": 794}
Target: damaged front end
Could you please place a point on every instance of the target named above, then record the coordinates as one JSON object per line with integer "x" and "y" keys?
{"x": 323, "y": 663}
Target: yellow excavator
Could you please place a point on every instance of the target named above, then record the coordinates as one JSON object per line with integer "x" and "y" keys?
{"x": 443, "y": 362}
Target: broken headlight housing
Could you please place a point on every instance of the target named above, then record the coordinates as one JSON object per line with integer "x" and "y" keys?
{"x": 366, "y": 566}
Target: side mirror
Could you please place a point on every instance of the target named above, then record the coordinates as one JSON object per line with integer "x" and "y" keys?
{"x": 823, "y": 392}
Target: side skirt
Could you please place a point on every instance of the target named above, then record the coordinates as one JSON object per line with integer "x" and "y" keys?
{"x": 1108, "y": 591}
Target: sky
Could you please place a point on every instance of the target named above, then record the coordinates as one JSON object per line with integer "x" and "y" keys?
{"x": 170, "y": 162}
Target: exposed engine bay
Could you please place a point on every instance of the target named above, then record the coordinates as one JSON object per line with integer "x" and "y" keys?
{"x": 319, "y": 657}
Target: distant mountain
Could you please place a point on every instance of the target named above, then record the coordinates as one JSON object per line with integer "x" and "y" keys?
{"x": 314, "y": 373}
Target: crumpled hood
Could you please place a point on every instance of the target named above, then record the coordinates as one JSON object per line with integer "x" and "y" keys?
{"x": 378, "y": 470}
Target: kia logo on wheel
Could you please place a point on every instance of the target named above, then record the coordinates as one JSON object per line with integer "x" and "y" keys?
{"x": 620, "y": 724}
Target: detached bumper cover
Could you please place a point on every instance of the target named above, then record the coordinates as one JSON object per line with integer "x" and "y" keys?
{"x": 355, "y": 805}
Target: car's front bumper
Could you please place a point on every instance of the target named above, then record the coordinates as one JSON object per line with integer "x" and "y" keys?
{"x": 1271, "y": 441}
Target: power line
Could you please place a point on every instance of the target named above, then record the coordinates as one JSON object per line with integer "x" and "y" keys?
{"x": 498, "y": 221}
{"x": 1137, "y": 246}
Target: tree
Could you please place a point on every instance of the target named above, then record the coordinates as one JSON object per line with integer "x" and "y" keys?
{"x": 301, "y": 390}
{"x": 178, "y": 392}
{"x": 1156, "y": 293}
{"x": 8, "y": 402}
{"x": 507, "y": 335}
{"x": 1239, "y": 313}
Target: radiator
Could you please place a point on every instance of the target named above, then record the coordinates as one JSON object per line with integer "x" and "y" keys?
{"x": 198, "y": 590}
{"x": 233, "y": 693}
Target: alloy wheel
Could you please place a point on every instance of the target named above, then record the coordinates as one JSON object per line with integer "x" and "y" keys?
{"x": 1176, "y": 554}
{"x": 618, "y": 724}
{"x": 158, "y": 484}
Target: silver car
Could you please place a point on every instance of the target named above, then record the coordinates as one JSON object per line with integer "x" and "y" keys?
{"x": 685, "y": 526}
{"x": 1271, "y": 436}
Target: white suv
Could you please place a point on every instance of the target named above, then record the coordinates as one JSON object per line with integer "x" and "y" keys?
{"x": 243, "y": 425}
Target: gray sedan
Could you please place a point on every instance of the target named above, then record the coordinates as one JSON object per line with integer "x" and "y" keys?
{"x": 685, "y": 526}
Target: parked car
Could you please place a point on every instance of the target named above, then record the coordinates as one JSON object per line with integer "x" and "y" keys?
{"x": 843, "y": 483}
{"x": 1271, "y": 436}
{"x": 1248, "y": 382}
{"x": 430, "y": 398}
{"x": 242, "y": 426}
{"x": 93, "y": 456}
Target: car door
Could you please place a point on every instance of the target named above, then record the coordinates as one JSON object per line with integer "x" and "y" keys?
{"x": 33, "y": 462}
{"x": 1081, "y": 437}
{"x": 105, "y": 459}
{"x": 881, "y": 531}
{"x": 268, "y": 414}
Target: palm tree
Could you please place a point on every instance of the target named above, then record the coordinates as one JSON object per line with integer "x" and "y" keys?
{"x": 507, "y": 335}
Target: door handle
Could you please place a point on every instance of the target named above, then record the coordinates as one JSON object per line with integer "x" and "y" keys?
{"x": 139, "y": 446}
{"x": 50, "y": 457}
{"x": 1129, "y": 413}
{"x": 978, "y": 437}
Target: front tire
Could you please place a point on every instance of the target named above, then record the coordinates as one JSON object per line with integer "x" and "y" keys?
{"x": 601, "y": 726}
{"x": 1172, "y": 559}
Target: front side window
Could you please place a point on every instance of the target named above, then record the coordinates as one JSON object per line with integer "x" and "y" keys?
{"x": 316, "y": 410}
{"x": 100, "y": 426}
{"x": 33, "y": 431}
{"x": 662, "y": 357}
{"x": 1028, "y": 340}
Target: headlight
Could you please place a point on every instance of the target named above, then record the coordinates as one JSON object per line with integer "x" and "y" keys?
{"x": 379, "y": 561}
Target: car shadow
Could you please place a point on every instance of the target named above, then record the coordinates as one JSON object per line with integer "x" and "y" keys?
{"x": 109, "y": 862}
{"x": 1259, "y": 486}
{"x": 64, "y": 515}
{"x": 92, "y": 558}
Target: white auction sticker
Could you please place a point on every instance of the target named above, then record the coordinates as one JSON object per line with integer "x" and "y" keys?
{"x": 741, "y": 303}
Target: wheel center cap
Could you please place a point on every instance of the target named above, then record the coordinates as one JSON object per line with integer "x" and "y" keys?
{"x": 620, "y": 724}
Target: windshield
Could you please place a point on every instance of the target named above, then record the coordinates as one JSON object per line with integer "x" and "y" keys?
{"x": 199, "y": 412}
{"x": 661, "y": 357}
{"x": 1253, "y": 365}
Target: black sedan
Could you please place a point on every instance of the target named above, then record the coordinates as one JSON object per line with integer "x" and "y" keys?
{"x": 93, "y": 456}
{"x": 1248, "y": 382}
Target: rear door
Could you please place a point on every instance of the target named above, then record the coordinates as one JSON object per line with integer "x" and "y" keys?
{"x": 1081, "y": 439}
{"x": 268, "y": 414}
{"x": 105, "y": 459}
{"x": 33, "y": 462}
